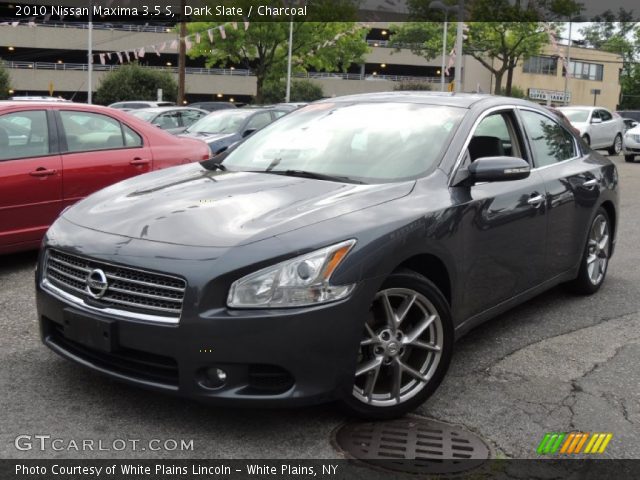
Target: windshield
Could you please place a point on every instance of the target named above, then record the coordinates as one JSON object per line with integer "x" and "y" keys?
{"x": 226, "y": 121}
{"x": 370, "y": 142}
{"x": 579, "y": 116}
{"x": 143, "y": 114}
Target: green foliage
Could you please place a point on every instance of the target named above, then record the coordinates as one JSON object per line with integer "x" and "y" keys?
{"x": 498, "y": 46}
{"x": 133, "y": 82}
{"x": 5, "y": 81}
{"x": 301, "y": 91}
{"x": 331, "y": 46}
{"x": 619, "y": 34}
{"x": 516, "y": 92}
{"x": 412, "y": 86}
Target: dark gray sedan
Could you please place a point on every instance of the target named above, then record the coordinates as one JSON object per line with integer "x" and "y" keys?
{"x": 335, "y": 254}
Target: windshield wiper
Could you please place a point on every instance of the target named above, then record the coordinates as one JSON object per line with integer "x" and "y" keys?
{"x": 315, "y": 175}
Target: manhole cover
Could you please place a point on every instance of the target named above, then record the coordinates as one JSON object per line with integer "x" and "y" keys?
{"x": 412, "y": 445}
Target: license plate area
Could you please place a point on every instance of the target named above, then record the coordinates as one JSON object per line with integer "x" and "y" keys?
{"x": 97, "y": 333}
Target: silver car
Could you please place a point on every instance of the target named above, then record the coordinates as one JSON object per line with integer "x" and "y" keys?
{"x": 631, "y": 147}
{"x": 598, "y": 127}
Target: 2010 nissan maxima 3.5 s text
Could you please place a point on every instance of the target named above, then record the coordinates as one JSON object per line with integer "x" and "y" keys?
{"x": 336, "y": 254}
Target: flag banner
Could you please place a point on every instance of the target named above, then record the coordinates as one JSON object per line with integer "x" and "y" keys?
{"x": 210, "y": 33}
{"x": 102, "y": 58}
{"x": 223, "y": 34}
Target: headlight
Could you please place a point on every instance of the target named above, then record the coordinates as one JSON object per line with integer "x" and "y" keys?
{"x": 297, "y": 282}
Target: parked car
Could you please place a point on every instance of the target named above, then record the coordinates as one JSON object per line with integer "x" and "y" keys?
{"x": 135, "y": 104}
{"x": 335, "y": 254}
{"x": 598, "y": 127}
{"x": 171, "y": 119}
{"x": 224, "y": 128}
{"x": 563, "y": 117}
{"x": 53, "y": 154}
{"x": 631, "y": 144}
{"x": 633, "y": 114}
{"x": 213, "y": 106}
{"x": 38, "y": 98}
{"x": 629, "y": 123}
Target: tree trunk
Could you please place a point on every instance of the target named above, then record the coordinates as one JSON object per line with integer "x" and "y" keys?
{"x": 498, "y": 87}
{"x": 259, "y": 85}
{"x": 507, "y": 89}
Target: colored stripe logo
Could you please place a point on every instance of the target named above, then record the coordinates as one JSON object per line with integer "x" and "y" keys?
{"x": 573, "y": 443}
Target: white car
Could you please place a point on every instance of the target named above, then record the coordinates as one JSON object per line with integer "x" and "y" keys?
{"x": 631, "y": 144}
{"x": 598, "y": 127}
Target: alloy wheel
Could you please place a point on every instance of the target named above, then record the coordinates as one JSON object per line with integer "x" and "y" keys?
{"x": 400, "y": 350}
{"x": 598, "y": 249}
{"x": 617, "y": 145}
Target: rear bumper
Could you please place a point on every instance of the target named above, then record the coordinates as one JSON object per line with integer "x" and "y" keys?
{"x": 270, "y": 358}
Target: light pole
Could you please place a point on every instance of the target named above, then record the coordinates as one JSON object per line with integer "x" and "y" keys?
{"x": 438, "y": 5}
{"x": 90, "y": 57}
{"x": 459, "y": 34}
{"x": 568, "y": 66}
{"x": 287, "y": 97}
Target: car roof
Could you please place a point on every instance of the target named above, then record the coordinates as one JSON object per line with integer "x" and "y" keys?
{"x": 463, "y": 100}
{"x": 165, "y": 109}
{"x": 580, "y": 107}
{"x": 46, "y": 104}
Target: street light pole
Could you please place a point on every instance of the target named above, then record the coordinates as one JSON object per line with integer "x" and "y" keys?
{"x": 568, "y": 67}
{"x": 287, "y": 97}
{"x": 444, "y": 51}
{"x": 90, "y": 57}
{"x": 459, "y": 33}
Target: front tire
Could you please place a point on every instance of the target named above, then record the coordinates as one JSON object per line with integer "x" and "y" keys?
{"x": 406, "y": 348}
{"x": 616, "y": 148}
{"x": 586, "y": 139}
{"x": 629, "y": 158}
{"x": 595, "y": 259}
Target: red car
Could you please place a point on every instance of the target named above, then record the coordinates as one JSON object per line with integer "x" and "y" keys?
{"x": 54, "y": 154}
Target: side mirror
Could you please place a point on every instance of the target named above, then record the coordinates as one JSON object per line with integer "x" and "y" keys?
{"x": 596, "y": 120}
{"x": 248, "y": 132}
{"x": 498, "y": 169}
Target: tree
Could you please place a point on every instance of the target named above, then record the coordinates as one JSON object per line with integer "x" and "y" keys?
{"x": 5, "y": 81}
{"x": 330, "y": 46}
{"x": 499, "y": 36}
{"x": 618, "y": 34}
{"x": 301, "y": 91}
{"x": 134, "y": 82}
{"x": 412, "y": 86}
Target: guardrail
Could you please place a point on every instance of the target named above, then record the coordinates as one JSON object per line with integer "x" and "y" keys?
{"x": 107, "y": 26}
{"x": 83, "y": 67}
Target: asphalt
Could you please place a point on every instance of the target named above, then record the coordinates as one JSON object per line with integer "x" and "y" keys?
{"x": 558, "y": 363}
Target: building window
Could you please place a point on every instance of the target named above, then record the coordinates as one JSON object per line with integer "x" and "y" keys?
{"x": 541, "y": 65}
{"x": 586, "y": 71}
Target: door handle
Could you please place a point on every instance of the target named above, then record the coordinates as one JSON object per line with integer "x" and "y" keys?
{"x": 139, "y": 161}
{"x": 589, "y": 184}
{"x": 43, "y": 172}
{"x": 535, "y": 200}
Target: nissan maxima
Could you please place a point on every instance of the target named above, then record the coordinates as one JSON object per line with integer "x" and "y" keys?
{"x": 334, "y": 255}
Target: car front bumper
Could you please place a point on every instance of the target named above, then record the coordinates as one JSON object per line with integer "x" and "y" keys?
{"x": 630, "y": 146}
{"x": 270, "y": 357}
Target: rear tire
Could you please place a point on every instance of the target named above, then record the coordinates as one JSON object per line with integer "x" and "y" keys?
{"x": 616, "y": 148}
{"x": 405, "y": 350}
{"x": 586, "y": 139}
{"x": 629, "y": 158}
{"x": 595, "y": 258}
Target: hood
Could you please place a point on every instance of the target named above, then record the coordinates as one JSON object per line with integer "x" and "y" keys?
{"x": 191, "y": 205}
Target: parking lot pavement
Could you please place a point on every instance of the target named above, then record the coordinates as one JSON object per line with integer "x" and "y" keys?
{"x": 558, "y": 363}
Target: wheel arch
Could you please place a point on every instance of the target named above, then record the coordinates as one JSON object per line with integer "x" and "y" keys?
{"x": 611, "y": 212}
{"x": 434, "y": 269}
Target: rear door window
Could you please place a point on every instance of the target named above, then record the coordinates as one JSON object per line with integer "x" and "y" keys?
{"x": 24, "y": 134}
{"x": 87, "y": 131}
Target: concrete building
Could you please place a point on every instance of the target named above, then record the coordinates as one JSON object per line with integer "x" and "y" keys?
{"x": 53, "y": 57}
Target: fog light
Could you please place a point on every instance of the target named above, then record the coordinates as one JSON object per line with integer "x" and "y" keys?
{"x": 212, "y": 378}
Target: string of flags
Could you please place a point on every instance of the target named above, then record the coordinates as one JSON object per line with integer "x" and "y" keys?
{"x": 158, "y": 48}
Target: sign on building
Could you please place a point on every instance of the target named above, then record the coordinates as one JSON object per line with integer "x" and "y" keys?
{"x": 550, "y": 95}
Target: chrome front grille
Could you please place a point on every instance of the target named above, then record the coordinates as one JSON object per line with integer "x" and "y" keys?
{"x": 128, "y": 290}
